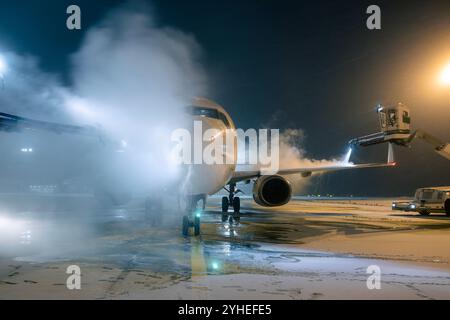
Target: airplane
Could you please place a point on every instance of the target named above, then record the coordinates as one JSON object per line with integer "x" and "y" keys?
{"x": 203, "y": 180}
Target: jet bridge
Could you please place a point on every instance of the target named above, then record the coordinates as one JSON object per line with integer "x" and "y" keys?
{"x": 395, "y": 122}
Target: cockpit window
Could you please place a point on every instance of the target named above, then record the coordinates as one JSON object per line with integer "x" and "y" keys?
{"x": 224, "y": 119}
{"x": 205, "y": 112}
{"x": 209, "y": 113}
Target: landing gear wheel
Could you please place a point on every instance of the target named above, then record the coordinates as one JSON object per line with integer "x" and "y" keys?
{"x": 447, "y": 207}
{"x": 225, "y": 204}
{"x": 237, "y": 209}
{"x": 196, "y": 226}
{"x": 191, "y": 219}
{"x": 186, "y": 225}
{"x": 236, "y": 205}
{"x": 424, "y": 212}
{"x": 234, "y": 201}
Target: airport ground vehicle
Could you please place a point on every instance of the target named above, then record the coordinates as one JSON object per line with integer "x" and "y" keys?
{"x": 395, "y": 128}
{"x": 427, "y": 200}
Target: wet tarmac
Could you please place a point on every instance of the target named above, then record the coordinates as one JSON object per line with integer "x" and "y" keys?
{"x": 122, "y": 255}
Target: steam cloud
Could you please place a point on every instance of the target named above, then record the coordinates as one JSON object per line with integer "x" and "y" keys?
{"x": 133, "y": 78}
{"x": 292, "y": 155}
{"x": 130, "y": 76}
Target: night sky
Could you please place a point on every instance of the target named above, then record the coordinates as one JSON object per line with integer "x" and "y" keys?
{"x": 311, "y": 65}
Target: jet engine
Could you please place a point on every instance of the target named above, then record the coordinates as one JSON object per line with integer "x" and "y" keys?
{"x": 272, "y": 191}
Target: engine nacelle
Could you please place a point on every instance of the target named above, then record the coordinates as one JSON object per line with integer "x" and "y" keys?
{"x": 272, "y": 191}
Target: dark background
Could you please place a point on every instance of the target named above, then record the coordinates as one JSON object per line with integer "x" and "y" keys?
{"x": 294, "y": 64}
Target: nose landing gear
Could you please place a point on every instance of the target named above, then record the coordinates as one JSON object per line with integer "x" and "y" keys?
{"x": 192, "y": 218}
{"x": 189, "y": 223}
{"x": 234, "y": 201}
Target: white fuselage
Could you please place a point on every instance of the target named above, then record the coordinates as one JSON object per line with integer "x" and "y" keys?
{"x": 206, "y": 179}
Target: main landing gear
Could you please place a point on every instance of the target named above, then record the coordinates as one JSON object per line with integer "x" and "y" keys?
{"x": 234, "y": 201}
{"x": 193, "y": 214}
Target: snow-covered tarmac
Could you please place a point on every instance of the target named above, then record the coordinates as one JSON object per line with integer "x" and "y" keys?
{"x": 317, "y": 249}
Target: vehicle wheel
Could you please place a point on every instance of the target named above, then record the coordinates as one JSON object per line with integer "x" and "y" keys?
{"x": 447, "y": 207}
{"x": 197, "y": 226}
{"x": 225, "y": 204}
{"x": 236, "y": 204}
{"x": 186, "y": 224}
{"x": 424, "y": 212}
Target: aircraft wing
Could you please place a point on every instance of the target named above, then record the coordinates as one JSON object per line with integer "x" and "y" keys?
{"x": 306, "y": 172}
{"x": 13, "y": 123}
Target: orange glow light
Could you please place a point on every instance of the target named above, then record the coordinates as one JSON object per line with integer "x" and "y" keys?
{"x": 444, "y": 77}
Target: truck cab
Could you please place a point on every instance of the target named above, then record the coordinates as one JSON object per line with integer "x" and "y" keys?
{"x": 435, "y": 199}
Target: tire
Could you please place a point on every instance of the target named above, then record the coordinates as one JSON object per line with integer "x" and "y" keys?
{"x": 236, "y": 205}
{"x": 447, "y": 207}
{"x": 424, "y": 212}
{"x": 225, "y": 204}
{"x": 185, "y": 227}
{"x": 196, "y": 226}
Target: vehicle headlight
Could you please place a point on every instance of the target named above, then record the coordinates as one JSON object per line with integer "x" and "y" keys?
{"x": 412, "y": 206}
